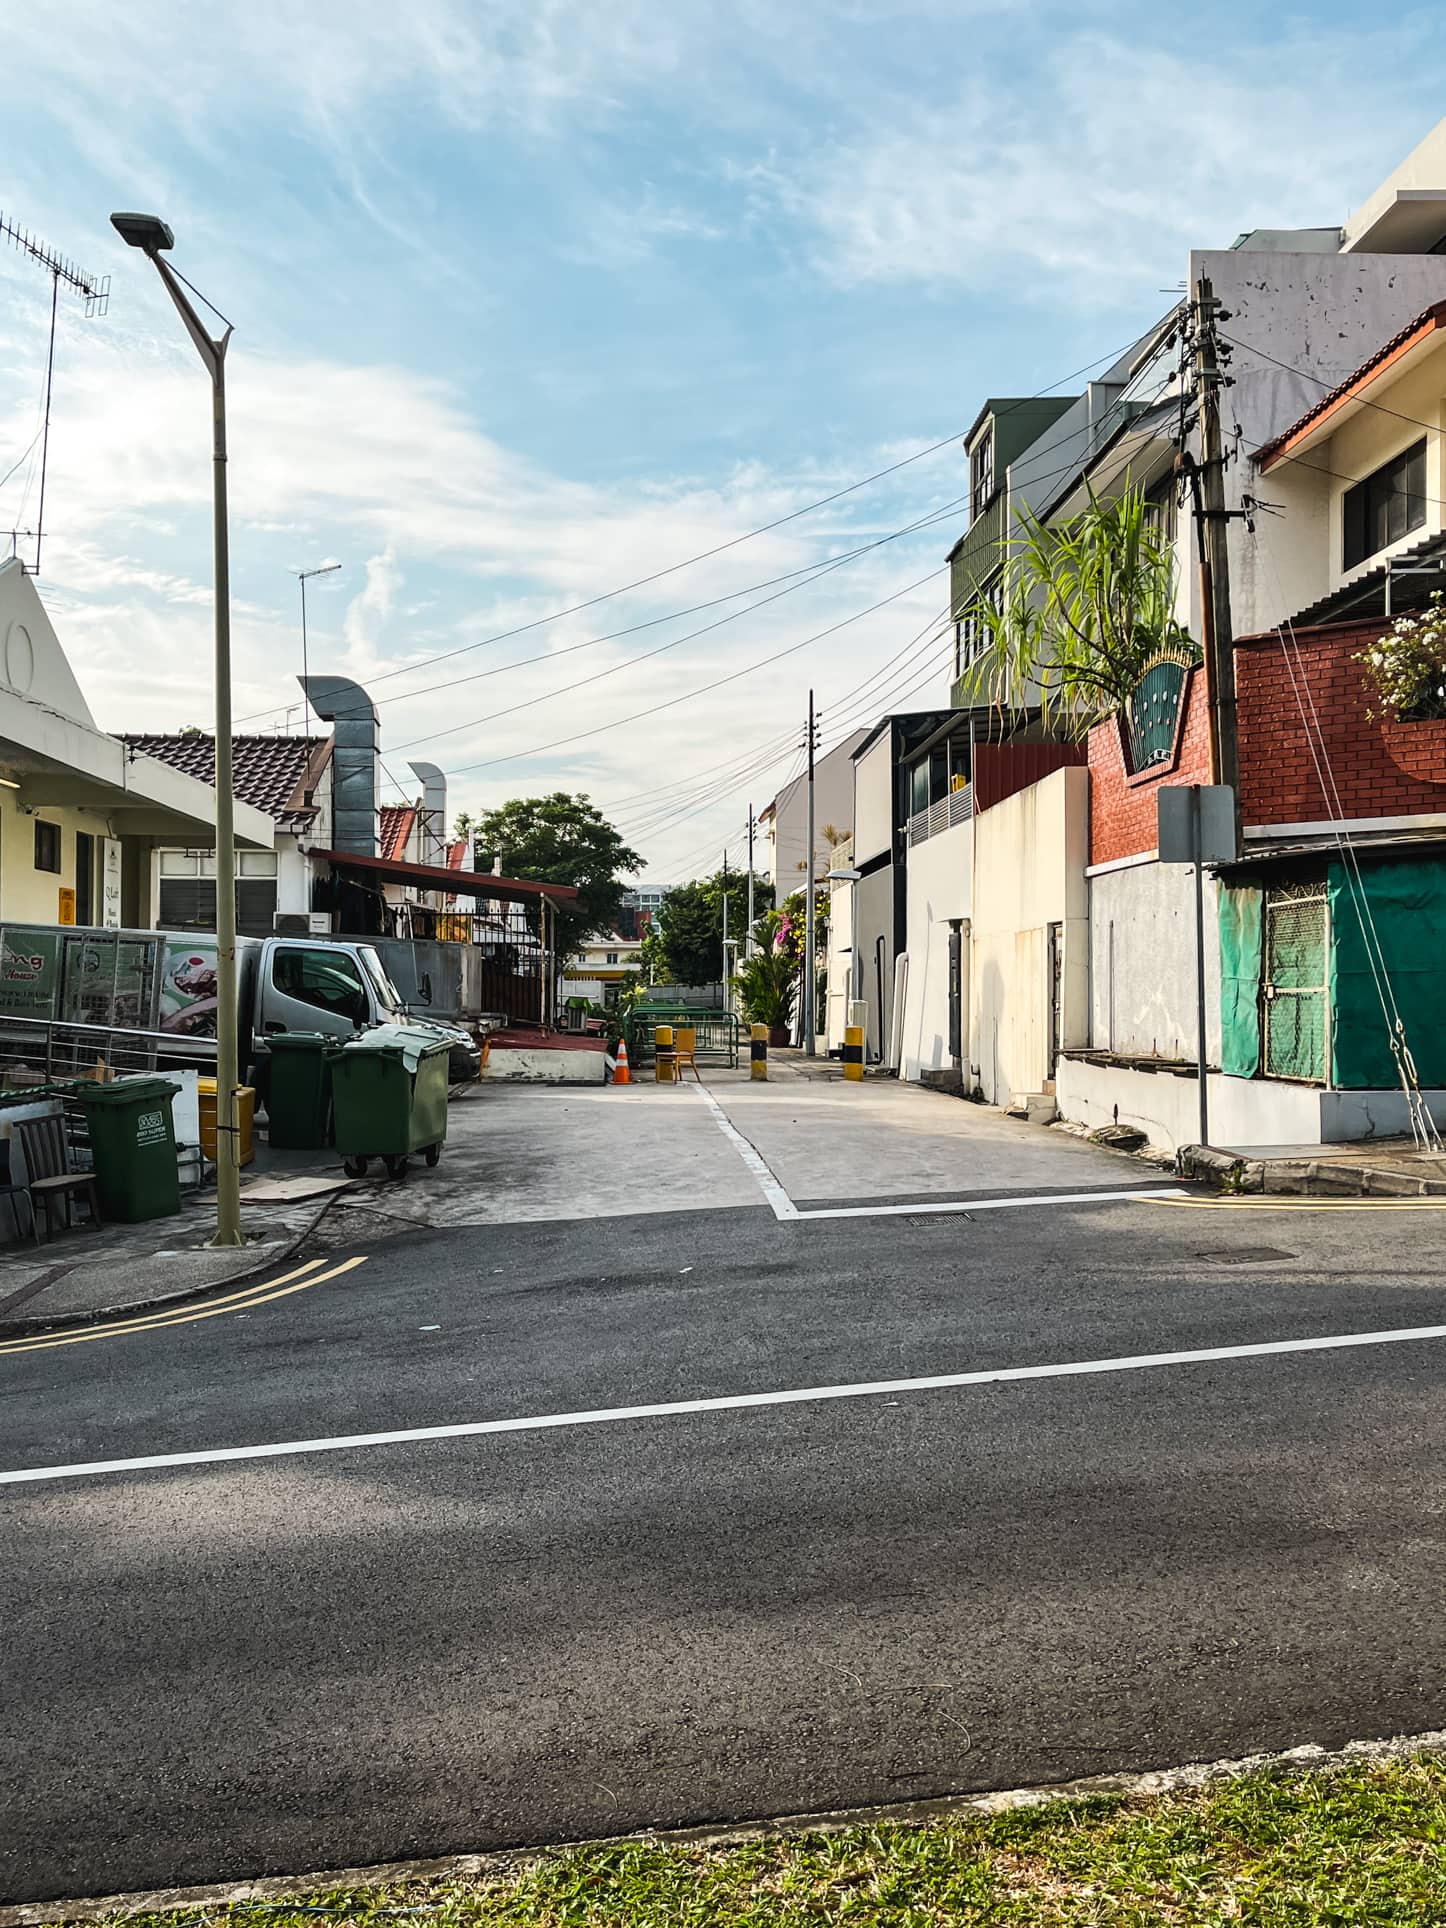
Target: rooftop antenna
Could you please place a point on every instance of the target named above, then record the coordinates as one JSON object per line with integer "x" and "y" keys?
{"x": 96, "y": 294}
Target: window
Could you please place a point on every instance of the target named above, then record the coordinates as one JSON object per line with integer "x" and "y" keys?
{"x": 327, "y": 979}
{"x": 981, "y": 473}
{"x": 612, "y": 957}
{"x": 1386, "y": 506}
{"x": 188, "y": 891}
{"x": 47, "y": 846}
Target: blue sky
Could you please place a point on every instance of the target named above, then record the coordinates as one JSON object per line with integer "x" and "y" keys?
{"x": 535, "y": 299}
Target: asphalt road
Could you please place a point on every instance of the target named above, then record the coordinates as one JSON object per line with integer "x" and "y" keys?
{"x": 342, "y": 1657}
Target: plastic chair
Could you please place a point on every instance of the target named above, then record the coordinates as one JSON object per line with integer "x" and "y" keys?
{"x": 10, "y": 1190}
{"x": 48, "y": 1167}
{"x": 685, "y": 1052}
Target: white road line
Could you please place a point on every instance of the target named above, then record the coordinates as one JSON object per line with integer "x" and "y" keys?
{"x": 783, "y": 1206}
{"x": 988, "y": 1204}
{"x": 733, "y": 1402}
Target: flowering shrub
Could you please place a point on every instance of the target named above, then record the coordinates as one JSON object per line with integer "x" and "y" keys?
{"x": 1406, "y": 668}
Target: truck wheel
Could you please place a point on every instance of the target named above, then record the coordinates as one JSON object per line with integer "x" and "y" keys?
{"x": 434, "y": 1153}
{"x": 396, "y": 1167}
{"x": 354, "y": 1167}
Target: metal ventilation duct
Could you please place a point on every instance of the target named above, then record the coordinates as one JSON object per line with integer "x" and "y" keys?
{"x": 355, "y": 760}
{"x": 434, "y": 811}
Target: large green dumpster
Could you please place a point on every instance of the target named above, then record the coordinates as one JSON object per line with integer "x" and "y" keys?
{"x": 298, "y": 1098}
{"x": 133, "y": 1142}
{"x": 389, "y": 1097}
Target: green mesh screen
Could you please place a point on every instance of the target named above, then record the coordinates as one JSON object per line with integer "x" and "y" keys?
{"x": 1240, "y": 958}
{"x": 1408, "y": 905}
{"x": 1295, "y": 982}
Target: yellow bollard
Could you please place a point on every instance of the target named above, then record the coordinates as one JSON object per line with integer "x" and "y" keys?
{"x": 758, "y": 1053}
{"x": 665, "y": 1058}
{"x": 853, "y": 1052}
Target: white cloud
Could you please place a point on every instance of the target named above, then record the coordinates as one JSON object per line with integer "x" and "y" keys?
{"x": 1089, "y": 175}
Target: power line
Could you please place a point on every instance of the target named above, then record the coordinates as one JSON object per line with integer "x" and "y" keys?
{"x": 733, "y": 542}
{"x": 662, "y": 649}
{"x": 491, "y": 763}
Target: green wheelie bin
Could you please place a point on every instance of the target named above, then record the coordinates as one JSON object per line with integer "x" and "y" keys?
{"x": 133, "y": 1142}
{"x": 389, "y": 1097}
{"x": 298, "y": 1098}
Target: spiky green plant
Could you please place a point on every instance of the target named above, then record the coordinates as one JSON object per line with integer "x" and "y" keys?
{"x": 1088, "y": 608}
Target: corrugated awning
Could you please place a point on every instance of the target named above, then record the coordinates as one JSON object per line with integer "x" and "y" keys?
{"x": 466, "y": 883}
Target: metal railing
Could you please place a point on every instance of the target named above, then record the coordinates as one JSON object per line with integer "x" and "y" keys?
{"x": 956, "y": 808}
{"x": 38, "y": 1051}
{"x": 717, "y": 1032}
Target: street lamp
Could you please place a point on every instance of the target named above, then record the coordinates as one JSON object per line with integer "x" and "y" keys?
{"x": 151, "y": 235}
{"x": 304, "y": 576}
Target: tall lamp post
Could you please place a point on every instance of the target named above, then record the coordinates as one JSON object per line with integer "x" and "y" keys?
{"x": 151, "y": 235}
{"x": 304, "y": 576}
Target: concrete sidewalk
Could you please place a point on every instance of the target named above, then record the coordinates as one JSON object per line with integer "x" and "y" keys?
{"x": 1377, "y": 1168}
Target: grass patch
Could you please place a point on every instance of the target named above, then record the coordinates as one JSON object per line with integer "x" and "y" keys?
{"x": 1363, "y": 1842}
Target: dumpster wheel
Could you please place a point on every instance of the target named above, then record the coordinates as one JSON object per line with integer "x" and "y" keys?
{"x": 354, "y": 1167}
{"x": 396, "y": 1165}
{"x": 433, "y": 1154}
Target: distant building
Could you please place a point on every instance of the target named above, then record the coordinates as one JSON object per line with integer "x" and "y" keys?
{"x": 782, "y": 851}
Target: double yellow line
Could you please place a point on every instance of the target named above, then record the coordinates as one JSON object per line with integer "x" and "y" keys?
{"x": 304, "y": 1277}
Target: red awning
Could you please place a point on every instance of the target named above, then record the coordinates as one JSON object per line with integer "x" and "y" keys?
{"x": 466, "y": 883}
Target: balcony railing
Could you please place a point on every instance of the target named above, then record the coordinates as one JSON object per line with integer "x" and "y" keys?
{"x": 956, "y": 808}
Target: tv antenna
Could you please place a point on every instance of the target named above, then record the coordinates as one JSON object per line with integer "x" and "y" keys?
{"x": 96, "y": 295}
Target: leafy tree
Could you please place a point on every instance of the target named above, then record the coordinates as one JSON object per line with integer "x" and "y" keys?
{"x": 561, "y": 839}
{"x": 1089, "y": 607}
{"x": 462, "y": 832}
{"x": 686, "y": 947}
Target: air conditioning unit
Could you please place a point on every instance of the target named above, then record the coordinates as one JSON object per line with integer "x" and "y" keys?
{"x": 302, "y": 923}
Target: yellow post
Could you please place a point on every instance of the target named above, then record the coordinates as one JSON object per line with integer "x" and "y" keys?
{"x": 853, "y": 1052}
{"x": 758, "y": 1053}
{"x": 665, "y": 1059}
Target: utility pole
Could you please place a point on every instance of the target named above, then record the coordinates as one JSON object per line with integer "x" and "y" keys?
{"x": 1212, "y": 520}
{"x": 748, "y": 934}
{"x": 810, "y": 1043}
{"x": 726, "y": 1001}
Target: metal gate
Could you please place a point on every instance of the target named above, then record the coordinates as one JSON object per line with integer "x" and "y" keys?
{"x": 1295, "y": 1002}
{"x": 1056, "y": 997}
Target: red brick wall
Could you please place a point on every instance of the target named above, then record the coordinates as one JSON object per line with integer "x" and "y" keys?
{"x": 1381, "y": 770}
{"x": 1122, "y": 807}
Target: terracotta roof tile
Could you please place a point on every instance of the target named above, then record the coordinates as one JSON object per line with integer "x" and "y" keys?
{"x": 267, "y": 770}
{"x": 395, "y": 828}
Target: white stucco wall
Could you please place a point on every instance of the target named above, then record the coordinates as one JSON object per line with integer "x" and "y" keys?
{"x": 784, "y": 847}
{"x": 874, "y": 800}
{"x": 840, "y": 931}
{"x": 1142, "y": 958}
{"x": 1321, "y": 315}
{"x": 1245, "y": 1113}
{"x": 940, "y": 871}
{"x": 1029, "y": 862}
{"x": 875, "y": 921}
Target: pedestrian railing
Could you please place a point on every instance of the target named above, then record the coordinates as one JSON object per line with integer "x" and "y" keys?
{"x": 717, "y": 1032}
{"x": 42, "y": 1051}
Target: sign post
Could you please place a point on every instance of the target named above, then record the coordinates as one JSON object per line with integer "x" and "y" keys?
{"x": 1197, "y": 827}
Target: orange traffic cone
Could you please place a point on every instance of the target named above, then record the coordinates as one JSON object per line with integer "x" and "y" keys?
{"x": 621, "y": 1074}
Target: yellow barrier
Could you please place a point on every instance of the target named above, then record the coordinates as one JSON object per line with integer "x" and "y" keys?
{"x": 853, "y": 1052}
{"x": 665, "y": 1058}
{"x": 758, "y": 1053}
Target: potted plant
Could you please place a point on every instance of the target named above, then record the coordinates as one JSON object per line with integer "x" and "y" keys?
{"x": 765, "y": 982}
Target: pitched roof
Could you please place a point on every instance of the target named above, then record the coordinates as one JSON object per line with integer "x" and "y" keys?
{"x": 1415, "y": 332}
{"x": 395, "y": 828}
{"x": 455, "y": 853}
{"x": 272, "y": 773}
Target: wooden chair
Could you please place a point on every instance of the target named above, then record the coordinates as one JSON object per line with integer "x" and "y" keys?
{"x": 47, "y": 1164}
{"x": 685, "y": 1052}
{"x": 14, "y": 1193}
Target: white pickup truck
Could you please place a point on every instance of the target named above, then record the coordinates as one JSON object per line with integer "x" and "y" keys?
{"x": 164, "y": 982}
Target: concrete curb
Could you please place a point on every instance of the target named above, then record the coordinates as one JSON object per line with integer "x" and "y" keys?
{"x": 1302, "y": 1177}
{"x": 452, "y": 1867}
{"x": 274, "y": 1255}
